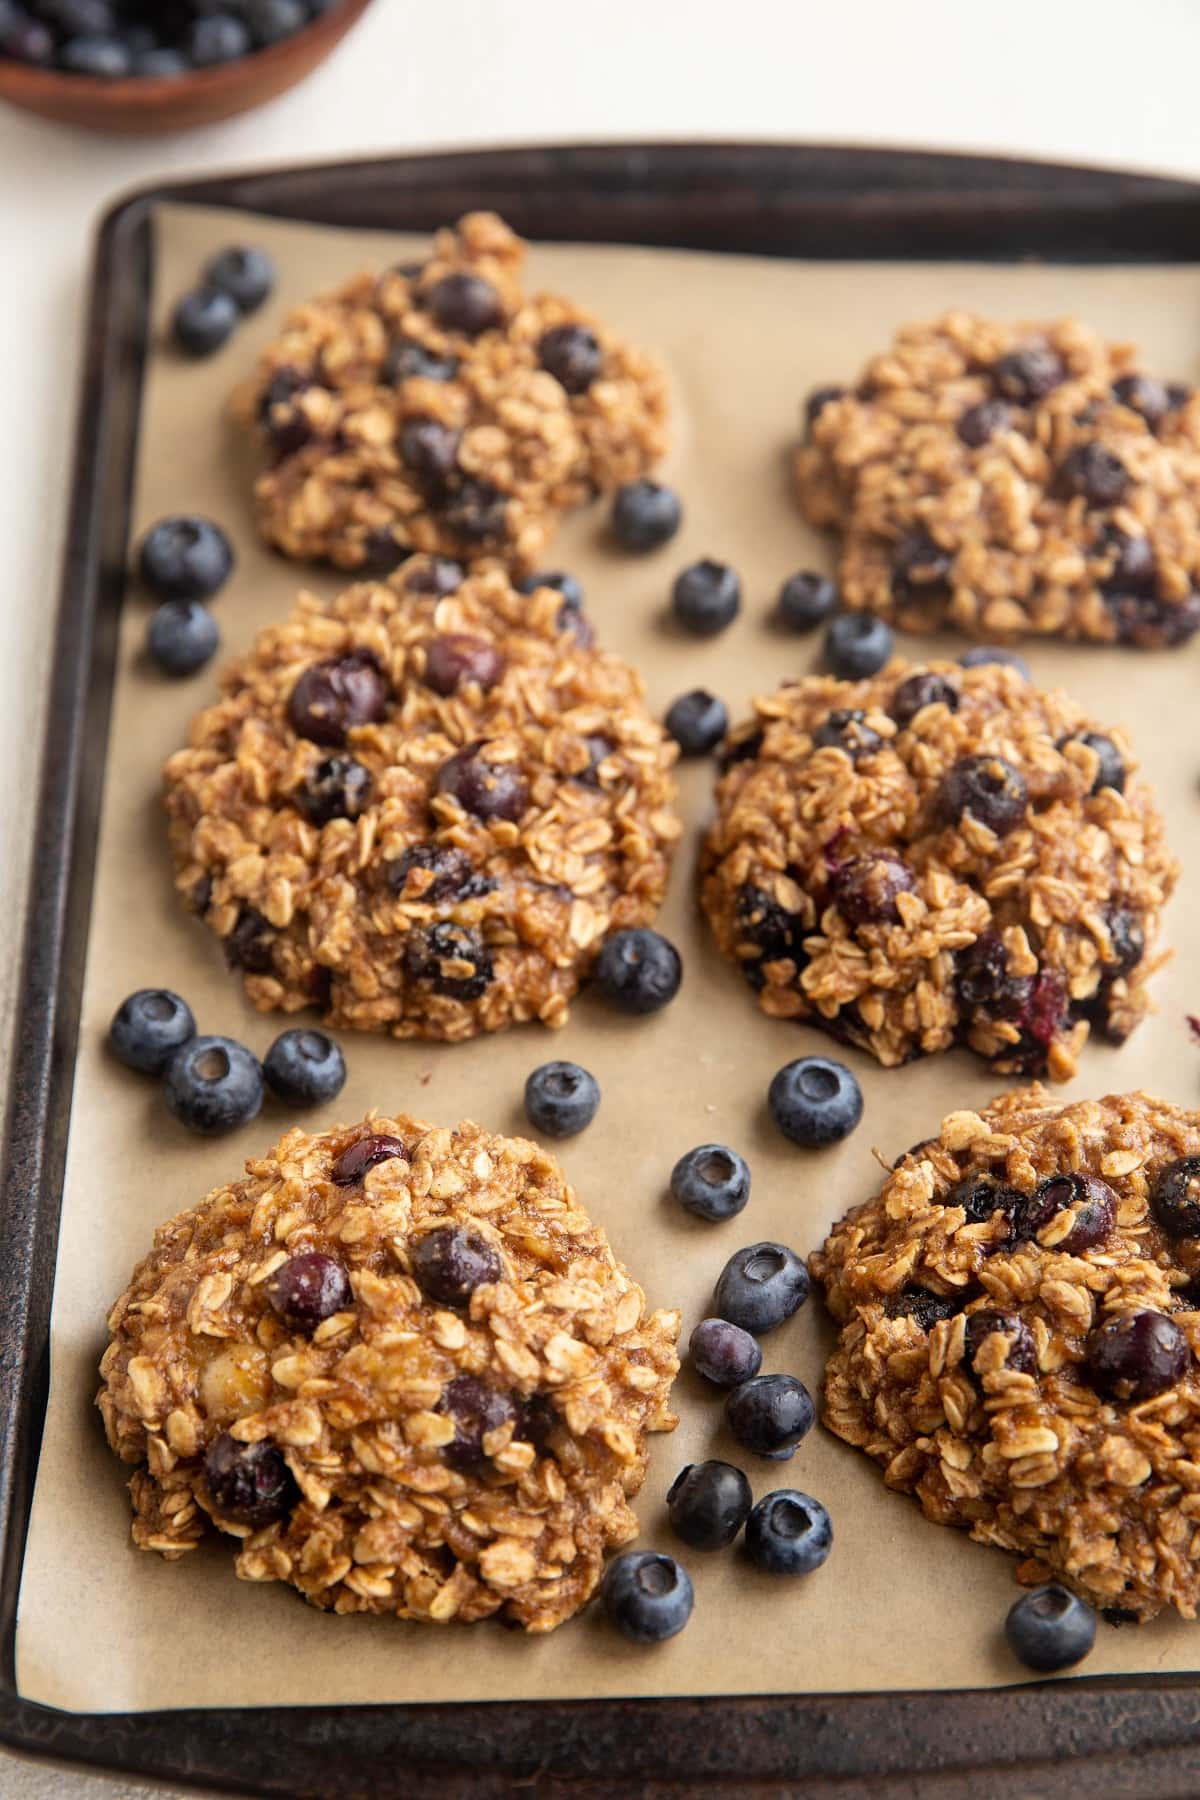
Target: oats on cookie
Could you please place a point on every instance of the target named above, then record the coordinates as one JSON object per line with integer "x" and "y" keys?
{"x": 939, "y": 855}
{"x": 436, "y": 407}
{"x": 423, "y": 811}
{"x": 1007, "y": 479}
{"x": 1019, "y": 1332}
{"x": 402, "y": 1367}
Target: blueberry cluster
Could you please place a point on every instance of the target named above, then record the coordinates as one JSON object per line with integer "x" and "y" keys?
{"x": 183, "y": 561}
{"x": 214, "y": 1084}
{"x": 147, "y": 39}
{"x": 233, "y": 283}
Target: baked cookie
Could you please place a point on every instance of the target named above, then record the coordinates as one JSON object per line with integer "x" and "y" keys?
{"x": 1019, "y": 1337}
{"x": 438, "y": 408}
{"x": 938, "y": 855}
{"x": 423, "y": 811}
{"x": 402, "y": 1366}
{"x": 1009, "y": 479}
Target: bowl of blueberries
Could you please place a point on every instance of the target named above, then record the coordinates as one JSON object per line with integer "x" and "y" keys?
{"x": 161, "y": 65}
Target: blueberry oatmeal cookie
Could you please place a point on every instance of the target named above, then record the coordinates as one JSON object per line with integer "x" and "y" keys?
{"x": 402, "y": 1367}
{"x": 938, "y": 855}
{"x": 1007, "y": 479}
{"x": 423, "y": 811}
{"x": 1019, "y": 1337}
{"x": 437, "y": 407}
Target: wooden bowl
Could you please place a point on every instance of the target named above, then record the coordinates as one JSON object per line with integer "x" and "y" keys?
{"x": 139, "y": 107}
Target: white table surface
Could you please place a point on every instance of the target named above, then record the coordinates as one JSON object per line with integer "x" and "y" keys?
{"x": 1099, "y": 81}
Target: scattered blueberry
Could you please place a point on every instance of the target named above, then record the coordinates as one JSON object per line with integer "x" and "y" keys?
{"x": 182, "y": 636}
{"x": 1029, "y": 374}
{"x": 706, "y": 597}
{"x": 922, "y": 689}
{"x": 1135, "y": 1355}
{"x": 987, "y": 787}
{"x": 364, "y": 1153}
{"x": 308, "y": 1289}
{"x": 476, "y": 1410}
{"x": 1050, "y": 1628}
{"x": 204, "y": 319}
{"x": 697, "y": 721}
{"x": 148, "y": 1028}
{"x": 1175, "y": 1198}
{"x": 760, "y": 1286}
{"x": 185, "y": 558}
{"x": 247, "y": 275}
{"x": 980, "y": 654}
{"x": 483, "y": 789}
{"x": 645, "y": 515}
{"x": 769, "y": 1414}
{"x": 709, "y": 1502}
{"x": 858, "y": 644}
{"x": 572, "y": 354}
{"x": 304, "y": 1067}
{"x": 815, "y": 1101}
{"x": 1095, "y": 475}
{"x": 980, "y": 423}
{"x": 789, "y": 1533}
{"x": 638, "y": 970}
{"x": 450, "y": 1262}
{"x": 333, "y": 698}
{"x": 561, "y": 1099}
{"x": 212, "y": 1085}
{"x": 647, "y": 1596}
{"x": 807, "y": 599}
{"x": 711, "y": 1181}
{"x": 465, "y": 303}
{"x": 723, "y": 1353}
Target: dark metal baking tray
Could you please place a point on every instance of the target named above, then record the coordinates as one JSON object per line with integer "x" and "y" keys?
{"x": 1112, "y": 1737}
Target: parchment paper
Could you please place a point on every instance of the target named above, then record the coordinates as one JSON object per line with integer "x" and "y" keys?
{"x": 901, "y": 1603}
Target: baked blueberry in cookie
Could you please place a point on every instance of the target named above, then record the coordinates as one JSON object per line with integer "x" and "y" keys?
{"x": 423, "y": 812}
{"x": 401, "y": 1368}
{"x": 939, "y": 855}
{"x": 438, "y": 407}
{"x": 1010, "y": 479}
{"x": 1019, "y": 1337}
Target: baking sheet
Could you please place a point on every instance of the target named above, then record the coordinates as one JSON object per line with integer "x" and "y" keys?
{"x": 901, "y": 1603}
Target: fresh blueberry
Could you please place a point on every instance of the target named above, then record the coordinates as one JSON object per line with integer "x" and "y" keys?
{"x": 148, "y": 1028}
{"x": 638, "y": 970}
{"x": 711, "y": 1181}
{"x": 645, "y": 515}
{"x": 761, "y": 1286}
{"x": 218, "y": 38}
{"x": 789, "y": 1533}
{"x": 561, "y": 1099}
{"x": 981, "y": 654}
{"x": 567, "y": 585}
{"x": 769, "y": 1414}
{"x": 205, "y": 318}
{"x": 807, "y": 599}
{"x": 857, "y": 645}
{"x": 26, "y": 40}
{"x": 309, "y": 1288}
{"x": 245, "y": 274}
{"x": 723, "y": 1353}
{"x": 88, "y": 18}
{"x": 815, "y": 1101}
{"x": 273, "y": 20}
{"x": 706, "y": 597}
{"x": 248, "y": 1482}
{"x": 697, "y": 721}
{"x": 304, "y": 1067}
{"x": 106, "y": 57}
{"x": 182, "y": 636}
{"x": 450, "y": 1262}
{"x": 709, "y": 1503}
{"x": 647, "y": 1596}
{"x": 185, "y": 558}
{"x": 156, "y": 64}
{"x": 213, "y": 1085}
{"x": 1050, "y": 1628}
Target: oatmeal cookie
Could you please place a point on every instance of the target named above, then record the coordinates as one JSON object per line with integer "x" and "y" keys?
{"x": 1007, "y": 479}
{"x": 423, "y": 811}
{"x": 938, "y": 855}
{"x": 1019, "y": 1337}
{"x": 436, "y": 407}
{"x": 402, "y": 1367}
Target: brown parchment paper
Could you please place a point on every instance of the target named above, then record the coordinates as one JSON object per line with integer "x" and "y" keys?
{"x": 901, "y": 1603}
